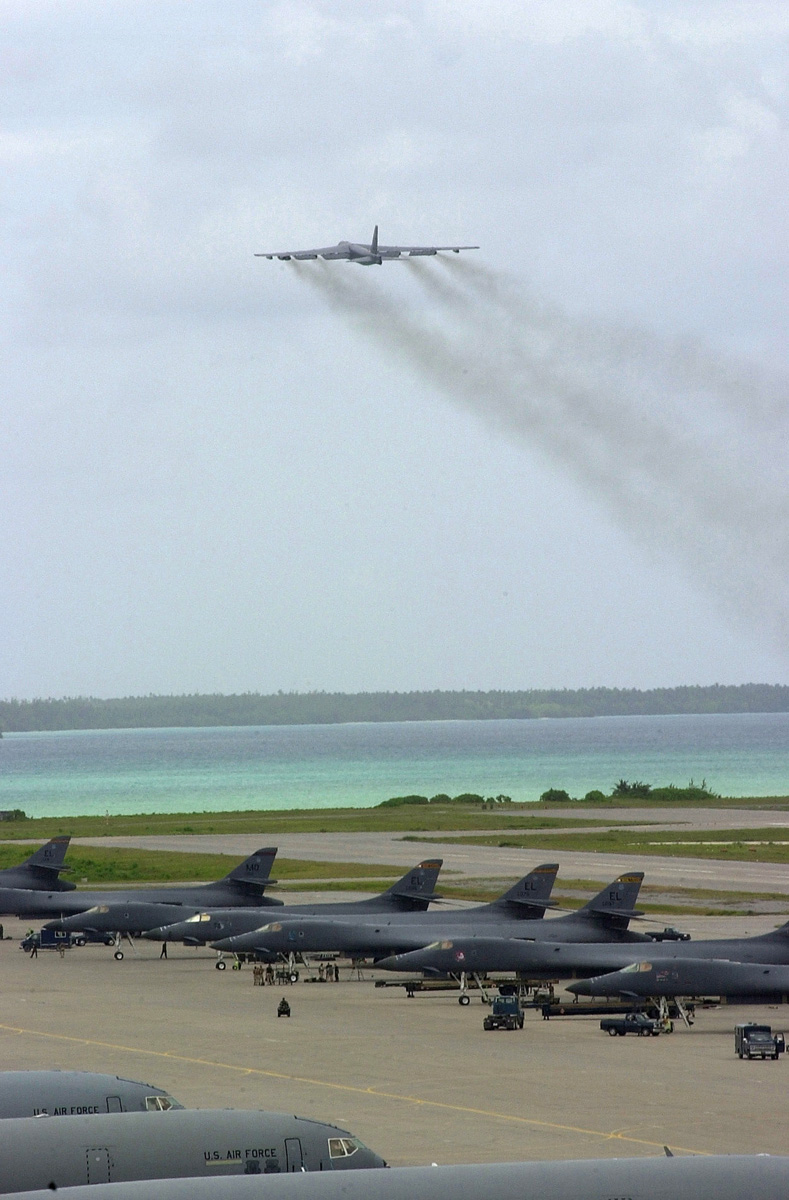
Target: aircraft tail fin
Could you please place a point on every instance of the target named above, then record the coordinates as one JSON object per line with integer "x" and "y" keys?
{"x": 374, "y": 242}
{"x": 531, "y": 895}
{"x": 43, "y": 868}
{"x": 414, "y": 891}
{"x": 614, "y": 905}
{"x": 254, "y": 873}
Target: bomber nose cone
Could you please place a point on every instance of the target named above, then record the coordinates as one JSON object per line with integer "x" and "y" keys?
{"x": 389, "y": 964}
{"x": 583, "y": 987}
{"x": 154, "y": 935}
{"x": 224, "y": 944}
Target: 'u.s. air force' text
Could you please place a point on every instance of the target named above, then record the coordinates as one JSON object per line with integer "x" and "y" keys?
{"x": 255, "y": 1152}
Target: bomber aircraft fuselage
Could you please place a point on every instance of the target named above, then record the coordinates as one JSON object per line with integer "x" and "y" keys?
{"x": 555, "y": 960}
{"x": 197, "y": 926}
{"x": 242, "y": 887}
{"x": 525, "y": 900}
{"x": 604, "y": 918}
{"x": 756, "y": 982}
{"x": 365, "y": 254}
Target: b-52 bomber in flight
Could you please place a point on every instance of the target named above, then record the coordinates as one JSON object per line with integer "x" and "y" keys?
{"x": 366, "y": 255}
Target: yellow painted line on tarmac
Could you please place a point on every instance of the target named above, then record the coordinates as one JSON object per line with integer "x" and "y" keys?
{"x": 613, "y": 1135}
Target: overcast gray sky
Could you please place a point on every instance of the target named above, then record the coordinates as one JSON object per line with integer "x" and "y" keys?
{"x": 567, "y": 469}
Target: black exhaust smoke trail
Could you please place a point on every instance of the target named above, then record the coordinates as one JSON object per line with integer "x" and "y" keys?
{"x": 654, "y": 432}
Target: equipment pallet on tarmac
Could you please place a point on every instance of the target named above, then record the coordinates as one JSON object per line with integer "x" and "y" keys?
{"x": 571, "y": 1009}
{"x": 414, "y": 986}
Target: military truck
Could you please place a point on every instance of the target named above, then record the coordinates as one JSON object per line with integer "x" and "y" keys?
{"x": 505, "y": 1013}
{"x": 752, "y": 1040}
{"x": 634, "y": 1022}
{"x": 61, "y": 939}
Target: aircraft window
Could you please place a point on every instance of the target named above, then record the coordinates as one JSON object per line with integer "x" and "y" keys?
{"x": 350, "y": 1146}
{"x": 336, "y": 1147}
{"x": 158, "y": 1103}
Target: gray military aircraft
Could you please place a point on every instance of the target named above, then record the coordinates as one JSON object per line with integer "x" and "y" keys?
{"x": 412, "y": 893}
{"x": 41, "y": 871}
{"x": 605, "y": 917}
{"x": 41, "y": 1153}
{"x": 76, "y": 1094}
{"x": 244, "y": 886}
{"x": 362, "y": 253}
{"x": 553, "y": 960}
{"x": 525, "y": 900}
{"x": 753, "y": 982}
{"x": 713, "y": 1177}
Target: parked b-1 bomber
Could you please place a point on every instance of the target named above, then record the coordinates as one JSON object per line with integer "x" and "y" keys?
{"x": 244, "y": 886}
{"x": 410, "y": 894}
{"x": 604, "y": 918}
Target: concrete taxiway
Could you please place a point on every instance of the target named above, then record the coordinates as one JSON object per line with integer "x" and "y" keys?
{"x": 492, "y": 862}
{"x": 418, "y": 1079}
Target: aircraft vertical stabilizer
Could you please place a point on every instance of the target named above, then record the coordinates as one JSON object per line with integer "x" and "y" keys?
{"x": 530, "y": 896}
{"x": 614, "y": 905}
{"x": 253, "y": 874}
{"x": 415, "y": 890}
{"x": 41, "y": 871}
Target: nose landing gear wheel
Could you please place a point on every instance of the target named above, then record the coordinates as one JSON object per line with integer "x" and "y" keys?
{"x": 118, "y": 955}
{"x": 221, "y": 965}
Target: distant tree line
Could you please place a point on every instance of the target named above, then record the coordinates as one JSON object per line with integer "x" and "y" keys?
{"x": 331, "y": 708}
{"x": 637, "y": 790}
{"x": 443, "y": 799}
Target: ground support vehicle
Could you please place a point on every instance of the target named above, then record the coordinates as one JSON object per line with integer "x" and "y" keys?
{"x": 634, "y": 1023}
{"x": 505, "y": 1013}
{"x": 58, "y": 939}
{"x": 757, "y": 1041}
{"x": 669, "y": 934}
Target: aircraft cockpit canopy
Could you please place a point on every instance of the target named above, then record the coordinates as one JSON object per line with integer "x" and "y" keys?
{"x": 160, "y": 1103}
{"x": 343, "y": 1147}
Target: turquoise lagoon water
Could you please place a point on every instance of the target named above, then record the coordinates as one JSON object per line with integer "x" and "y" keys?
{"x": 328, "y": 766}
